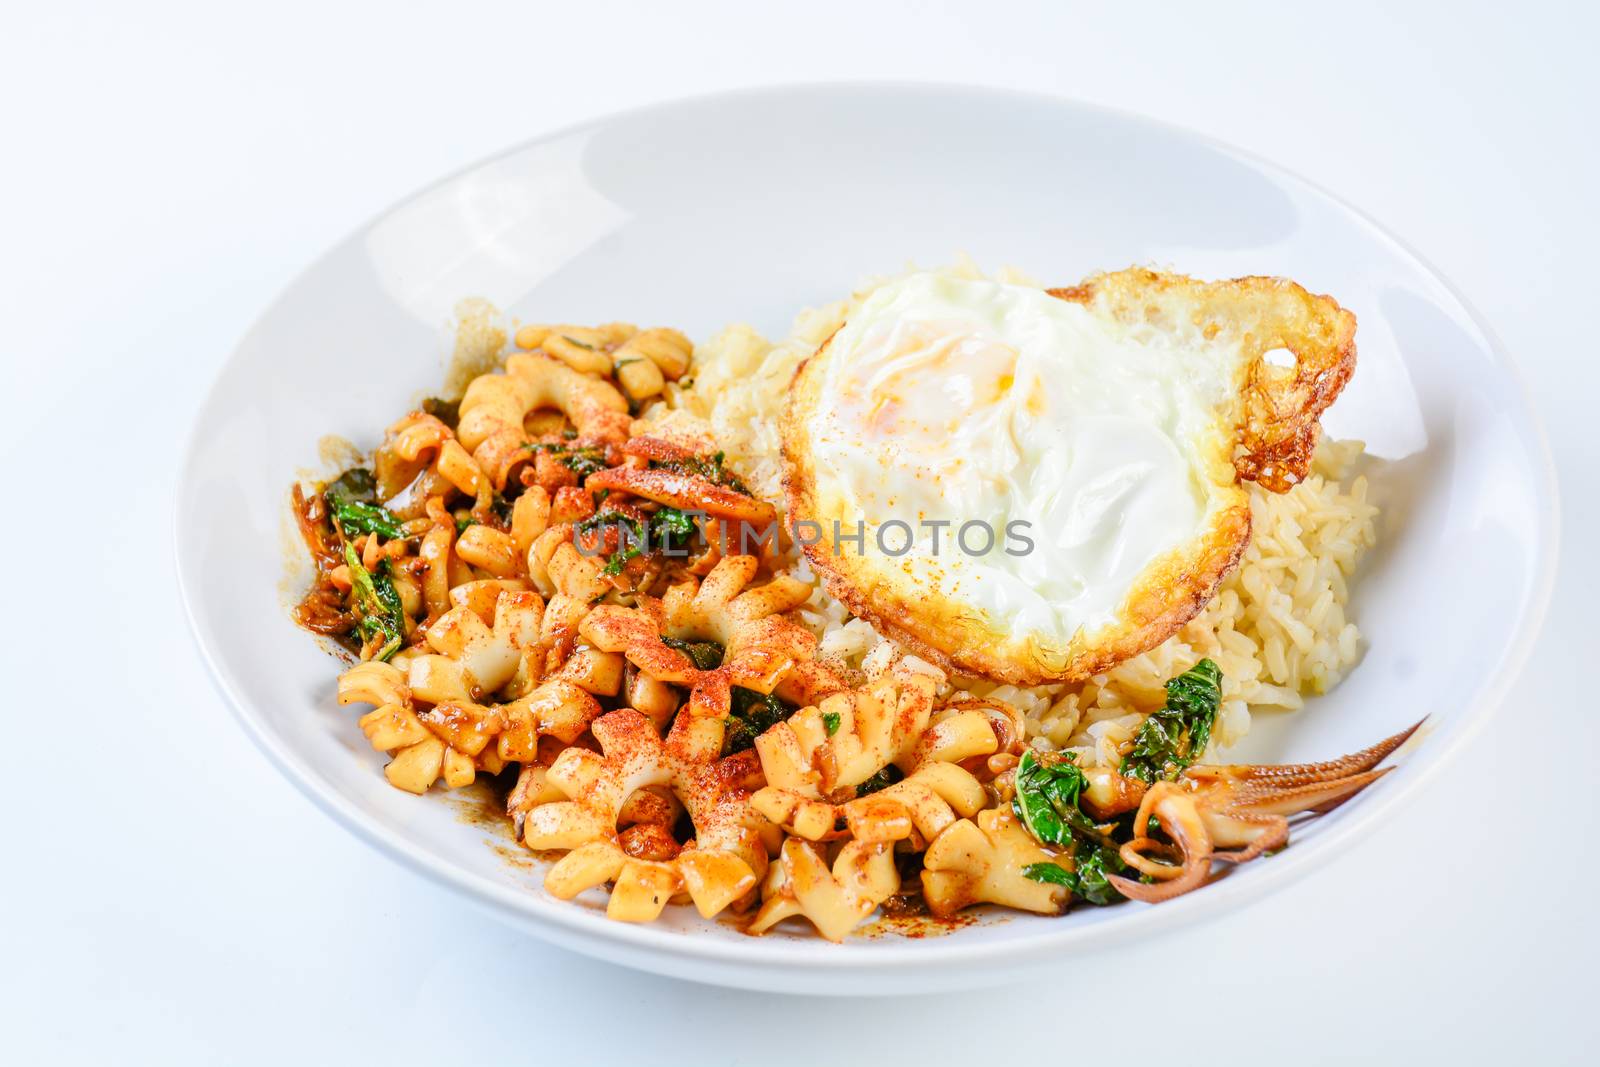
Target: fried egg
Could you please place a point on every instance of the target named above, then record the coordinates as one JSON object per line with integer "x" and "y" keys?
{"x": 1033, "y": 485}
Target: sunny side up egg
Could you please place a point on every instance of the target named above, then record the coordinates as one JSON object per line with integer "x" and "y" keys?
{"x": 1047, "y": 482}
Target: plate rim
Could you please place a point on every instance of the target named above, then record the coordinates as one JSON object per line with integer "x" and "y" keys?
{"x": 685, "y": 955}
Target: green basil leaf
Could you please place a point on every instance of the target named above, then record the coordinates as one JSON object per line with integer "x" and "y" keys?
{"x": 1174, "y": 737}
{"x": 705, "y": 655}
{"x": 355, "y": 517}
{"x": 752, "y": 715}
{"x": 377, "y": 604}
{"x": 1053, "y": 873}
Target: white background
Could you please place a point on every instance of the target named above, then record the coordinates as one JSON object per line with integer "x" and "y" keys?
{"x": 166, "y": 169}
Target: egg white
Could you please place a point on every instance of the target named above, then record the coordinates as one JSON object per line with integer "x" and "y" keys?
{"x": 1099, "y": 430}
{"x": 950, "y": 401}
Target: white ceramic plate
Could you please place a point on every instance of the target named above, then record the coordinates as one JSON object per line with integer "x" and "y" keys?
{"x": 752, "y": 206}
